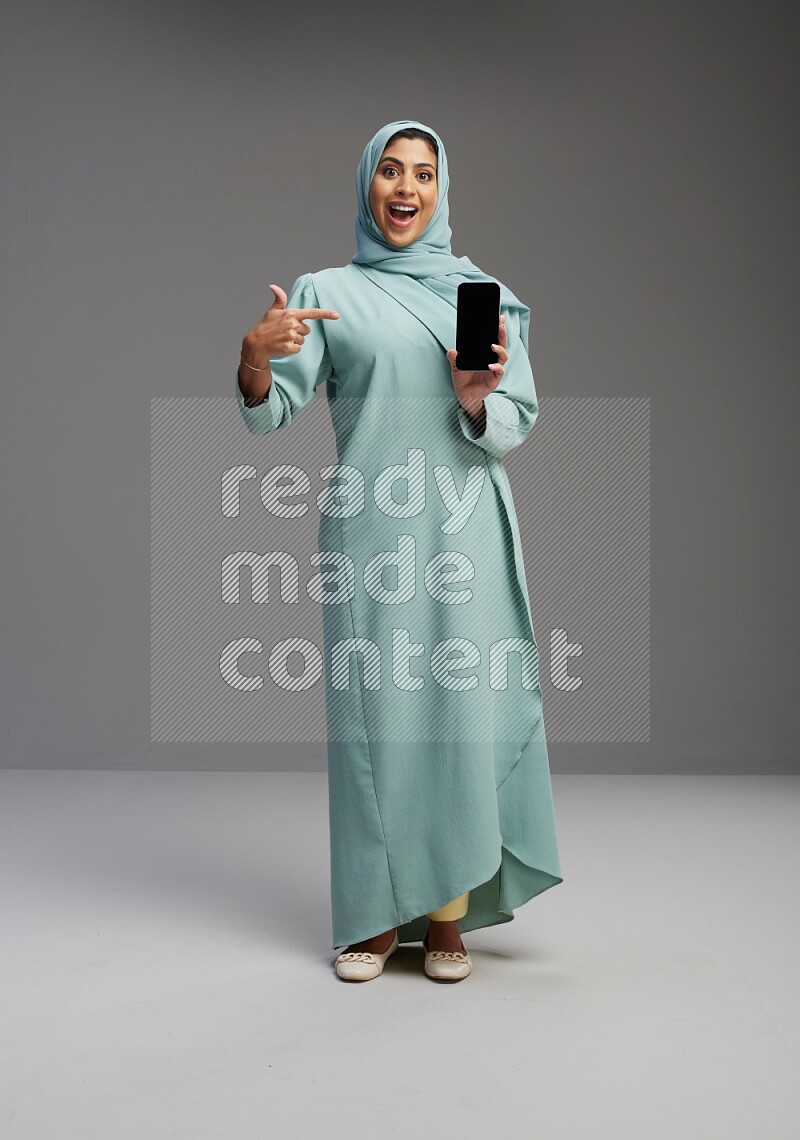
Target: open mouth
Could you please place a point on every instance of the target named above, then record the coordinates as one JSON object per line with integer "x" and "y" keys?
{"x": 401, "y": 216}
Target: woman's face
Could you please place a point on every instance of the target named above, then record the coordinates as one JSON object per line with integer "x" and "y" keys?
{"x": 406, "y": 174}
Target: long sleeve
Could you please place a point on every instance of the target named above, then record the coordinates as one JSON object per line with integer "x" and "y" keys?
{"x": 296, "y": 375}
{"x": 512, "y": 408}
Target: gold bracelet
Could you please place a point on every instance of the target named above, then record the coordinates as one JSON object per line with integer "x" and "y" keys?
{"x": 252, "y": 365}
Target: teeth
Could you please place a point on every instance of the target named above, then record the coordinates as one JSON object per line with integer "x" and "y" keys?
{"x": 406, "y": 209}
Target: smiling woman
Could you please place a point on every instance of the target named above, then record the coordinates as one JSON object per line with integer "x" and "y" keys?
{"x": 440, "y": 805}
{"x": 403, "y": 192}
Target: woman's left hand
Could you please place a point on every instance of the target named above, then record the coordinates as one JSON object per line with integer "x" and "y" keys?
{"x": 472, "y": 387}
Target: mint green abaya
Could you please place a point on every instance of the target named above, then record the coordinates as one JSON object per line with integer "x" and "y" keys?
{"x": 438, "y": 773}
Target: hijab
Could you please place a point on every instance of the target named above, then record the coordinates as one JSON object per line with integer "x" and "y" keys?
{"x": 423, "y": 276}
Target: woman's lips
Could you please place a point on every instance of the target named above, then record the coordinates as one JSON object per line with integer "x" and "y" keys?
{"x": 401, "y": 223}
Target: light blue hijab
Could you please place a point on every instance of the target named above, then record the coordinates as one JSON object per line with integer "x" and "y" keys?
{"x": 423, "y": 276}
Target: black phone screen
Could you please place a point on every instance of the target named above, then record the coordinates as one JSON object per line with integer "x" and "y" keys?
{"x": 477, "y": 325}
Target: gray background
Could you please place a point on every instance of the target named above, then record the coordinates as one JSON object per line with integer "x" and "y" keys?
{"x": 629, "y": 170}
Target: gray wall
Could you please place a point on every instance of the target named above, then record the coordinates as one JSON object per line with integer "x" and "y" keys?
{"x": 630, "y": 170}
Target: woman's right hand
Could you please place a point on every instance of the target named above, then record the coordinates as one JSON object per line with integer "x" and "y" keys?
{"x": 280, "y": 331}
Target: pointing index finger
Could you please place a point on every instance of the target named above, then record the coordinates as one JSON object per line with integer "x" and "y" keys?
{"x": 316, "y": 314}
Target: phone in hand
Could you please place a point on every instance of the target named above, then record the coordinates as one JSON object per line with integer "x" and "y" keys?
{"x": 477, "y": 325}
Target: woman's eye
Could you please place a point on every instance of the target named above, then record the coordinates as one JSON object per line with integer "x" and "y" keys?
{"x": 393, "y": 169}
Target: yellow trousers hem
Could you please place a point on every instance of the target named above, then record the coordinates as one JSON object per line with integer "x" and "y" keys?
{"x": 456, "y": 908}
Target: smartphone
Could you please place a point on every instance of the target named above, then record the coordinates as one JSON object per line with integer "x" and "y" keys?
{"x": 477, "y": 325}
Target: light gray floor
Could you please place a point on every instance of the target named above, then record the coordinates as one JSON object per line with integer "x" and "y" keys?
{"x": 167, "y": 972}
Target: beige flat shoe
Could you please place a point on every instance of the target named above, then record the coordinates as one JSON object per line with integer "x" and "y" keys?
{"x": 362, "y": 966}
{"x": 446, "y": 965}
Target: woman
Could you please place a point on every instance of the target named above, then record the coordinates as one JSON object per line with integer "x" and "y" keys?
{"x": 441, "y": 811}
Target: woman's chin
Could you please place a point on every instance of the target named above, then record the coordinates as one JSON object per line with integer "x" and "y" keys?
{"x": 399, "y": 240}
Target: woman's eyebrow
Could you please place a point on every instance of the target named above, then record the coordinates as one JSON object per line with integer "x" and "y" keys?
{"x": 388, "y": 158}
